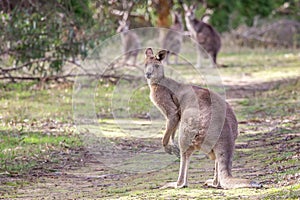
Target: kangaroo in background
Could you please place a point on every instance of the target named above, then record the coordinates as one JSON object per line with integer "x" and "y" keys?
{"x": 191, "y": 108}
{"x": 130, "y": 41}
{"x": 173, "y": 39}
{"x": 203, "y": 33}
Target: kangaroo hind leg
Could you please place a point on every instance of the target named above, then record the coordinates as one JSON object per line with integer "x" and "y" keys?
{"x": 215, "y": 181}
{"x": 183, "y": 170}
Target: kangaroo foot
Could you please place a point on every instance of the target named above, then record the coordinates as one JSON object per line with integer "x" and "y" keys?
{"x": 211, "y": 183}
{"x": 173, "y": 185}
{"x": 173, "y": 150}
{"x": 231, "y": 183}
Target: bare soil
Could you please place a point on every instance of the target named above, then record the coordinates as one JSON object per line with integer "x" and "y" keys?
{"x": 82, "y": 176}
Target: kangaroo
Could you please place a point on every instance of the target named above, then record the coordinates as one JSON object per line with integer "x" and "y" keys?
{"x": 173, "y": 38}
{"x": 203, "y": 33}
{"x": 192, "y": 109}
{"x": 130, "y": 41}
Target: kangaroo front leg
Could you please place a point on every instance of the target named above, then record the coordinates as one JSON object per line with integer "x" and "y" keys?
{"x": 171, "y": 126}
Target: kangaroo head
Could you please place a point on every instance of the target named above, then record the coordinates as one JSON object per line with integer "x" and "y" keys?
{"x": 123, "y": 27}
{"x": 176, "y": 17}
{"x": 154, "y": 70}
{"x": 189, "y": 11}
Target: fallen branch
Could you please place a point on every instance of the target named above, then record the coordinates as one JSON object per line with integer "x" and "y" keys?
{"x": 50, "y": 78}
{"x": 25, "y": 65}
{"x": 17, "y": 73}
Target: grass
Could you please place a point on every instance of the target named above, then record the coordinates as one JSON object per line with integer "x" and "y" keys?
{"x": 22, "y": 151}
{"x": 20, "y": 102}
{"x": 257, "y": 66}
{"x": 33, "y": 124}
{"x": 38, "y": 133}
{"x": 275, "y": 103}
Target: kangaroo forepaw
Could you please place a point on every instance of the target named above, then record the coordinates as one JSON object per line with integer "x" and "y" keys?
{"x": 176, "y": 151}
{"x": 173, "y": 150}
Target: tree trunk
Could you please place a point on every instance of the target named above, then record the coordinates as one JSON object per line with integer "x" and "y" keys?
{"x": 163, "y": 8}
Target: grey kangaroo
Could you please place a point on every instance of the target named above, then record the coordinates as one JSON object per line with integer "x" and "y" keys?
{"x": 203, "y": 33}
{"x": 173, "y": 38}
{"x": 130, "y": 41}
{"x": 191, "y": 108}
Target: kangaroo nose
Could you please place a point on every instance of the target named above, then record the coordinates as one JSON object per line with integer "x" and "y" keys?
{"x": 148, "y": 75}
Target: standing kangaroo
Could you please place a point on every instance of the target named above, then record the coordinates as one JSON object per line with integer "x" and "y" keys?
{"x": 192, "y": 108}
{"x": 173, "y": 39}
{"x": 130, "y": 41}
{"x": 203, "y": 33}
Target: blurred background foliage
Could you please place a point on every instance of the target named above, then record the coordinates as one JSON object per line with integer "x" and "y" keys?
{"x": 38, "y": 37}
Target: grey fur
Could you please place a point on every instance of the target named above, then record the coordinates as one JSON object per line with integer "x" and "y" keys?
{"x": 206, "y": 122}
{"x": 203, "y": 33}
{"x": 130, "y": 42}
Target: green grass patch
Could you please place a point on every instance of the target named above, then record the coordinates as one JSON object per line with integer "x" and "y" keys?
{"x": 260, "y": 66}
{"x": 278, "y": 102}
{"x": 20, "y": 152}
{"x": 17, "y": 105}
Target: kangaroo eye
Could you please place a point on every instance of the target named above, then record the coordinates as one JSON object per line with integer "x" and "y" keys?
{"x": 157, "y": 66}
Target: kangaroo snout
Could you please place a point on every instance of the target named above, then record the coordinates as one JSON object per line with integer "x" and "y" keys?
{"x": 148, "y": 75}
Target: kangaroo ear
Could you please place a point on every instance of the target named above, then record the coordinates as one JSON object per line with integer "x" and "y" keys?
{"x": 148, "y": 53}
{"x": 185, "y": 7}
{"x": 161, "y": 55}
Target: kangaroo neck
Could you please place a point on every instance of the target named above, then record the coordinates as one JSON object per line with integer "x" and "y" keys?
{"x": 168, "y": 83}
{"x": 195, "y": 25}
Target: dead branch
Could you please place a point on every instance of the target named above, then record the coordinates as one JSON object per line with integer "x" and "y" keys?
{"x": 57, "y": 77}
{"x": 25, "y": 65}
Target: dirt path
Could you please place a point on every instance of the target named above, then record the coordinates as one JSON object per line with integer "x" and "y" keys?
{"x": 248, "y": 89}
{"x": 90, "y": 179}
{"x": 85, "y": 181}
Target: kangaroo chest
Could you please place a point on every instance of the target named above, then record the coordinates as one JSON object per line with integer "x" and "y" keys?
{"x": 195, "y": 26}
{"x": 164, "y": 99}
